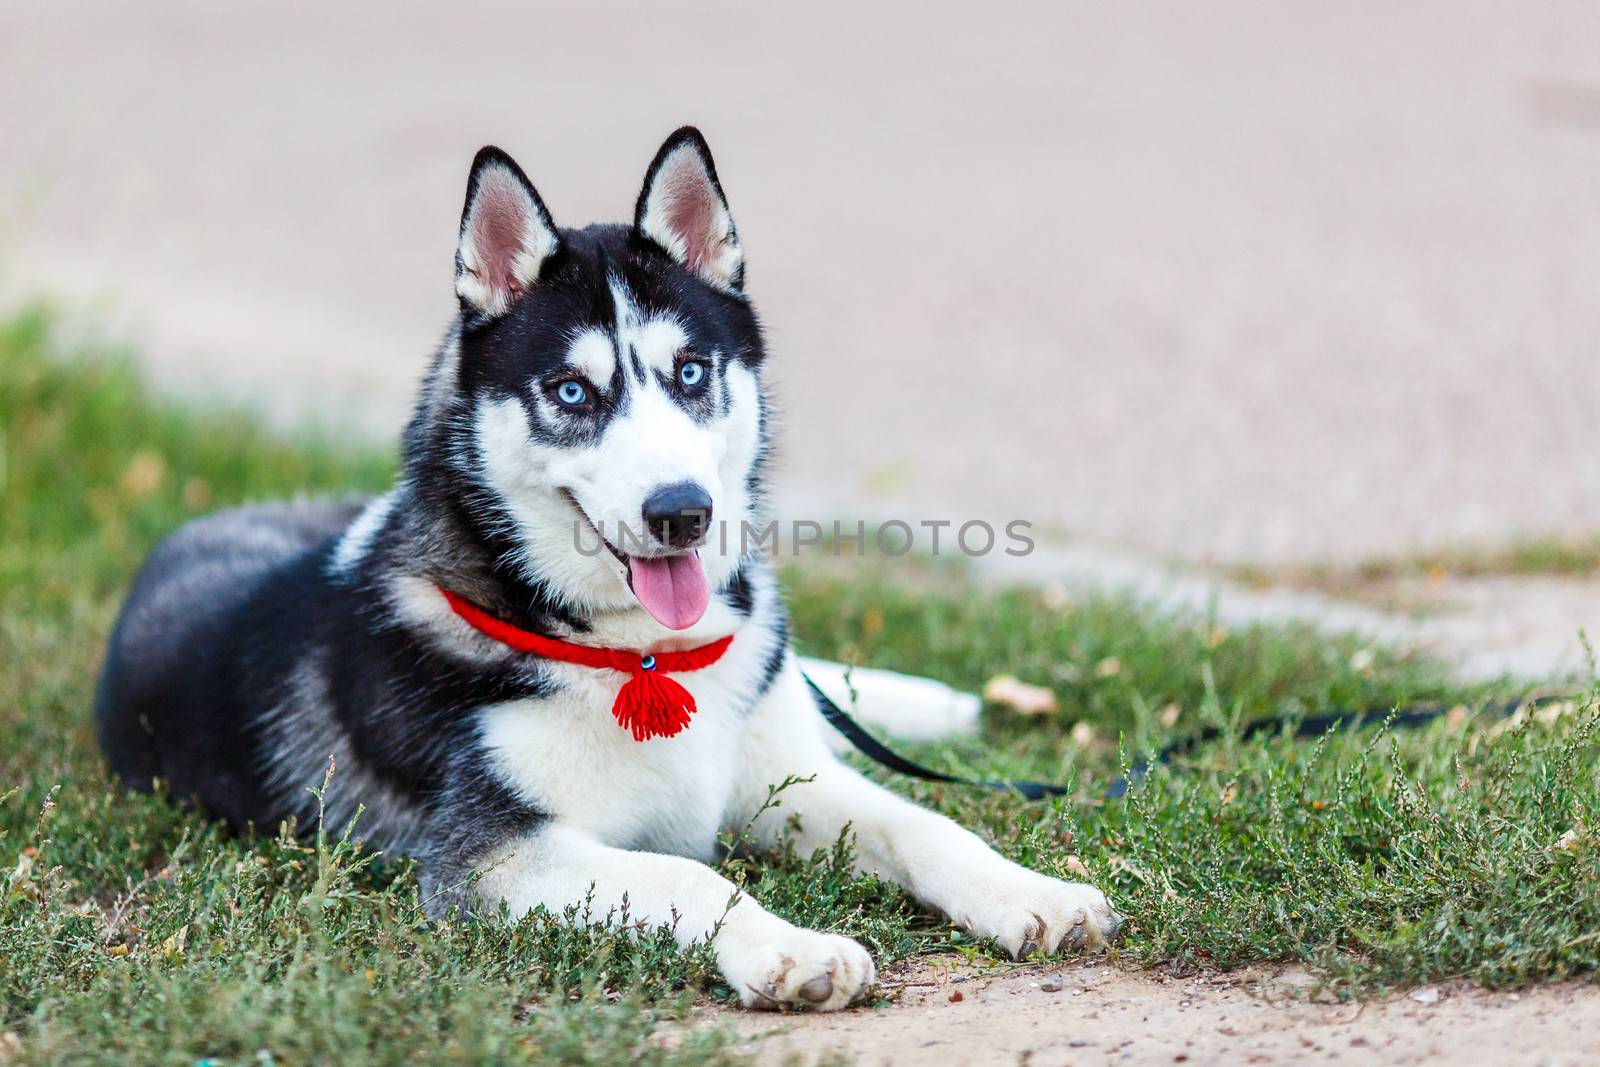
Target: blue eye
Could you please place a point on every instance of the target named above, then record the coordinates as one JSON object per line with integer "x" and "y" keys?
{"x": 692, "y": 373}
{"x": 572, "y": 394}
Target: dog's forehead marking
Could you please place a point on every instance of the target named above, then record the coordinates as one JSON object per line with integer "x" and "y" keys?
{"x": 593, "y": 355}
{"x": 648, "y": 343}
{"x": 658, "y": 343}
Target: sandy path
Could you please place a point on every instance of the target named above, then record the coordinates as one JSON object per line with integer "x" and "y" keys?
{"x": 1243, "y": 280}
{"x": 1243, "y": 283}
{"x": 1102, "y": 1015}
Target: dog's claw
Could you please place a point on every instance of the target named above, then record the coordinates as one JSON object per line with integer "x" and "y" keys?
{"x": 1027, "y": 948}
{"x": 1116, "y": 926}
{"x": 1076, "y": 938}
{"x": 817, "y": 990}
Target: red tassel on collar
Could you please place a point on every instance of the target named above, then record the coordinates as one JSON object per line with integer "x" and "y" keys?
{"x": 649, "y": 704}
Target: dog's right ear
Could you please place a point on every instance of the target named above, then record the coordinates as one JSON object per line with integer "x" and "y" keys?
{"x": 683, "y": 210}
{"x": 506, "y": 235}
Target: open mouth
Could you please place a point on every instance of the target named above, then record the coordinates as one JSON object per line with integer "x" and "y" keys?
{"x": 671, "y": 587}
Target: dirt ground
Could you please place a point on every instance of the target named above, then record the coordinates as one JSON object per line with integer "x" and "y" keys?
{"x": 1242, "y": 281}
{"x": 1094, "y": 1013}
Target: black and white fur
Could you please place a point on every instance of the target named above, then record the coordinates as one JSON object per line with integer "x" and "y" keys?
{"x": 257, "y": 642}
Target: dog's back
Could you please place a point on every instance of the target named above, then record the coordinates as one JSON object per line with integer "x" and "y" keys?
{"x": 166, "y": 706}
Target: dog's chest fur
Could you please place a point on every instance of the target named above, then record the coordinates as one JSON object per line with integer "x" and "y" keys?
{"x": 566, "y": 755}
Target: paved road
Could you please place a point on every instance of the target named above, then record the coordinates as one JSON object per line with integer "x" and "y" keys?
{"x": 1226, "y": 281}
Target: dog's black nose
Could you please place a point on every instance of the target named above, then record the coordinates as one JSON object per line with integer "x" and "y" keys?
{"x": 678, "y": 515}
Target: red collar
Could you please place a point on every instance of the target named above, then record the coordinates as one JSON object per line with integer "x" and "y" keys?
{"x": 649, "y": 704}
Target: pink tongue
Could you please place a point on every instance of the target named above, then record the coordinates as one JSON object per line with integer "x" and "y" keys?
{"x": 672, "y": 589}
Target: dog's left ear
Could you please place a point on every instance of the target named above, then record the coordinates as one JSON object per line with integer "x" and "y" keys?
{"x": 506, "y": 235}
{"x": 682, "y": 209}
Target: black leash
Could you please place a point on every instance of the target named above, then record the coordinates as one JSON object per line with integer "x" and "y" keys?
{"x": 878, "y": 752}
{"x": 1315, "y": 726}
{"x": 1407, "y": 718}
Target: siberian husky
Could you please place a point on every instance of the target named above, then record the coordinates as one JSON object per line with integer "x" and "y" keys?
{"x": 543, "y": 715}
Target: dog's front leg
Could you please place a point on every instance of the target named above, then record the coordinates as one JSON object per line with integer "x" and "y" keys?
{"x": 937, "y": 861}
{"x": 770, "y": 962}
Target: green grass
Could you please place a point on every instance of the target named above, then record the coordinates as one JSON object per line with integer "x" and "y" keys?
{"x": 134, "y": 932}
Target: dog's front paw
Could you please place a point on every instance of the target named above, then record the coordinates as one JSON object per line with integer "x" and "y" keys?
{"x": 1028, "y": 912}
{"x": 796, "y": 968}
